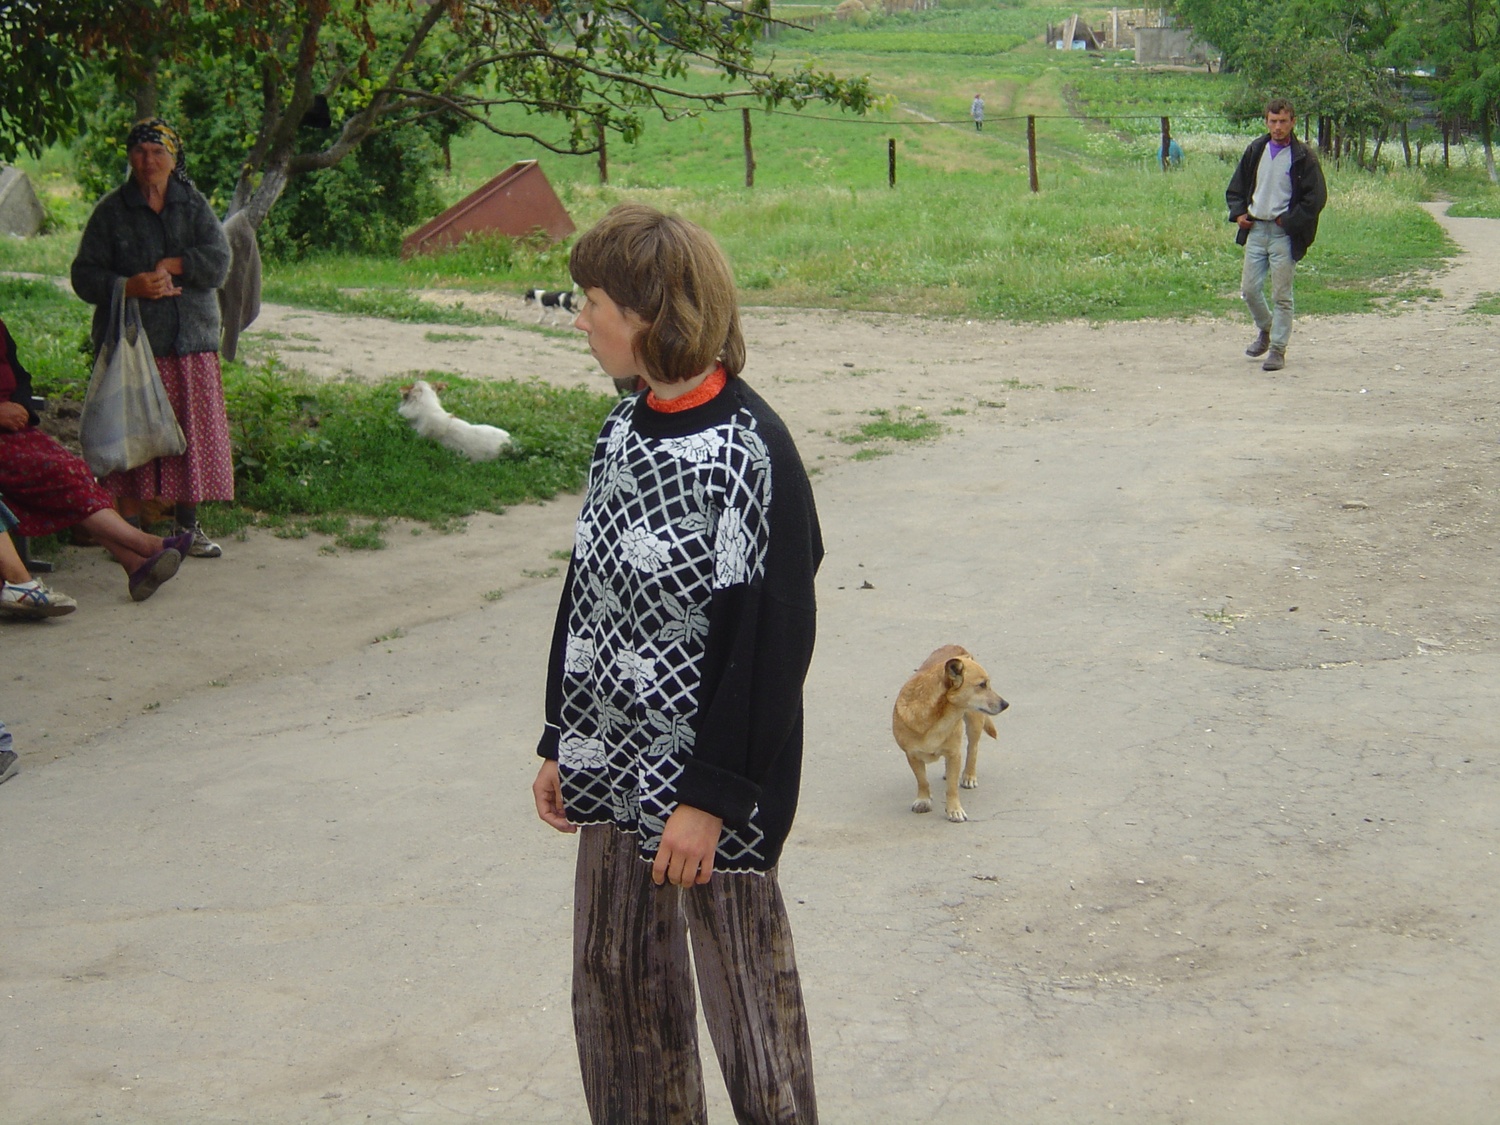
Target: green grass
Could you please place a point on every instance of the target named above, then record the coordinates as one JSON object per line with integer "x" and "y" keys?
{"x": 335, "y": 458}
{"x": 387, "y": 304}
{"x": 340, "y": 449}
{"x": 1133, "y": 100}
{"x": 51, "y": 330}
{"x": 904, "y": 425}
{"x": 1488, "y": 304}
{"x": 1473, "y": 196}
{"x": 916, "y": 42}
{"x": 1109, "y": 237}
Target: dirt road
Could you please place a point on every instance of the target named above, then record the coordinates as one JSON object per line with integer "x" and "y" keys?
{"x": 272, "y": 857}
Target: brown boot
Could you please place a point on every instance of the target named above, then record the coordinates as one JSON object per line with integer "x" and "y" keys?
{"x": 1275, "y": 361}
{"x": 1259, "y": 345}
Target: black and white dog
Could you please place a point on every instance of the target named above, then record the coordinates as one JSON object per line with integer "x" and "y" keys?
{"x": 553, "y": 300}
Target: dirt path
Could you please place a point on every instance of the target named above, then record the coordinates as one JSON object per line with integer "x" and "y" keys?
{"x": 1233, "y": 860}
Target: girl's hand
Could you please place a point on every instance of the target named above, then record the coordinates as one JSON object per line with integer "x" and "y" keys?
{"x": 688, "y": 842}
{"x": 547, "y": 792}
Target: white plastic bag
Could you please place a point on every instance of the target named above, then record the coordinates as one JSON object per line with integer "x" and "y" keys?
{"x": 127, "y": 419}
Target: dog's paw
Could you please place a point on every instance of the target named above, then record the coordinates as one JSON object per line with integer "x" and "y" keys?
{"x": 921, "y": 804}
{"x": 969, "y": 782}
{"x": 957, "y": 815}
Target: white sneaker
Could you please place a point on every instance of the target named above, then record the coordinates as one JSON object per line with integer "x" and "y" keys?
{"x": 203, "y": 547}
{"x": 33, "y": 599}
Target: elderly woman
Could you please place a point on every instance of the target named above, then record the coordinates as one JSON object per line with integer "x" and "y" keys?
{"x": 159, "y": 234}
{"x": 49, "y": 489}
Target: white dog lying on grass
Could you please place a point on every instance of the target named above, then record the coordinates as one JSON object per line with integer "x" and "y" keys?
{"x": 476, "y": 441}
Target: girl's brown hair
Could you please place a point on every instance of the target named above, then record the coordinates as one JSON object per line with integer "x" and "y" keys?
{"x": 672, "y": 274}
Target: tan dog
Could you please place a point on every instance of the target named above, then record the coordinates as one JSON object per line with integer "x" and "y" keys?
{"x": 947, "y": 697}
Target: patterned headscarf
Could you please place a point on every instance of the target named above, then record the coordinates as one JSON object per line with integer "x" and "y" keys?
{"x": 153, "y": 130}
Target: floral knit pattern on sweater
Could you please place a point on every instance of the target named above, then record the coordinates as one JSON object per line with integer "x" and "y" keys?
{"x": 667, "y": 523}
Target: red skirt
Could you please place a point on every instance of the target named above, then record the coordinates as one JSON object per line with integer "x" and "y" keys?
{"x": 206, "y": 471}
{"x": 47, "y": 487}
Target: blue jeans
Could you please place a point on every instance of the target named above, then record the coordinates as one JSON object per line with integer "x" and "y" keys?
{"x": 1269, "y": 250}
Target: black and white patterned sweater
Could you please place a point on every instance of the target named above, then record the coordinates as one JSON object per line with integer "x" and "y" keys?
{"x": 686, "y": 627}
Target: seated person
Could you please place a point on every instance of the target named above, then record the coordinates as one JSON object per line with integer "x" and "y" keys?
{"x": 7, "y": 755}
{"x": 20, "y": 594}
{"x": 50, "y": 489}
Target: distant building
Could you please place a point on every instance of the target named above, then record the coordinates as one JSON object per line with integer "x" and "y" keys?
{"x": 1074, "y": 35}
{"x": 517, "y": 203}
{"x": 1165, "y": 45}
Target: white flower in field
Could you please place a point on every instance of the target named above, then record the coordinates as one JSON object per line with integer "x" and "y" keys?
{"x": 638, "y": 667}
{"x": 696, "y": 448}
{"x": 733, "y": 549}
{"x": 578, "y": 656}
{"x": 644, "y": 550}
{"x": 576, "y": 753}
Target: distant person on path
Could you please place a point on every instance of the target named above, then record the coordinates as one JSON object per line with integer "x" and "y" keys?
{"x": 1275, "y": 197}
{"x": 156, "y": 231}
{"x": 673, "y": 732}
{"x": 976, "y": 111}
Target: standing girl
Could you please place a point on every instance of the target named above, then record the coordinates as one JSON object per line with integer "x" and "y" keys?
{"x": 674, "y": 694}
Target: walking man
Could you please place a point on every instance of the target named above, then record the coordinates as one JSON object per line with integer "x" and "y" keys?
{"x": 976, "y": 111}
{"x": 1275, "y": 197}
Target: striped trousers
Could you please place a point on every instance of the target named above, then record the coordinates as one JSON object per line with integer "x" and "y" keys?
{"x": 633, "y": 1007}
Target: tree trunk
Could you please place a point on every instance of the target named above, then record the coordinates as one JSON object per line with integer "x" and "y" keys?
{"x": 1406, "y": 146}
{"x": 257, "y": 199}
{"x": 1487, "y": 132}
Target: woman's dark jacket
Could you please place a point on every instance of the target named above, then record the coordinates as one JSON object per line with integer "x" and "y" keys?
{"x": 1309, "y": 193}
{"x": 125, "y": 237}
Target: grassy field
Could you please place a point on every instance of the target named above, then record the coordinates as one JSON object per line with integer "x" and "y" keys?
{"x": 1108, "y": 237}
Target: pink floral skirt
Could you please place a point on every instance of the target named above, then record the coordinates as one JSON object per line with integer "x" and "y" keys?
{"x": 47, "y": 487}
{"x": 206, "y": 471}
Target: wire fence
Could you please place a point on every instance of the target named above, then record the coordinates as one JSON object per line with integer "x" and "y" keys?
{"x": 1168, "y": 155}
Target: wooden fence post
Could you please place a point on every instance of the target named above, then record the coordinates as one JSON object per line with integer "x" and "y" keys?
{"x": 749, "y": 152}
{"x": 1031, "y": 153}
{"x": 1166, "y": 144}
{"x": 890, "y": 159}
{"x": 603, "y": 153}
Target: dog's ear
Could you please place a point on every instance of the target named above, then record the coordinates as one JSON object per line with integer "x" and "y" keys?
{"x": 439, "y": 387}
{"x": 954, "y": 672}
{"x": 407, "y": 388}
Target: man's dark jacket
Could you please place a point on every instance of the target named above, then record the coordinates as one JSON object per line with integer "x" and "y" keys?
{"x": 1309, "y": 193}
